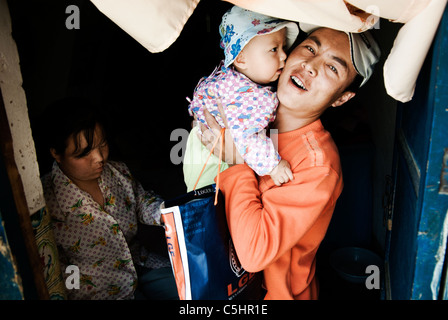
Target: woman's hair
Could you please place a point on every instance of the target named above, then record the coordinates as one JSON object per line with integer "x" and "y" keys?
{"x": 71, "y": 117}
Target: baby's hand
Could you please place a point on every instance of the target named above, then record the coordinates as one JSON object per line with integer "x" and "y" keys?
{"x": 281, "y": 173}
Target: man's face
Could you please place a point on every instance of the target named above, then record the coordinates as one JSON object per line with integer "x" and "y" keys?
{"x": 316, "y": 73}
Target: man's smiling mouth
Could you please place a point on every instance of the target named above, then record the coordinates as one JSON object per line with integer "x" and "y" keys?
{"x": 298, "y": 83}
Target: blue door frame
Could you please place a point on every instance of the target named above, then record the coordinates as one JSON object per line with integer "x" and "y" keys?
{"x": 416, "y": 241}
{"x": 10, "y": 288}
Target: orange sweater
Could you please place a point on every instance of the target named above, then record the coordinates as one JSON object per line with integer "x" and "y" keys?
{"x": 279, "y": 229}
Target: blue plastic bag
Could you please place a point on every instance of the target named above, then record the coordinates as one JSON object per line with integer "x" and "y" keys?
{"x": 203, "y": 258}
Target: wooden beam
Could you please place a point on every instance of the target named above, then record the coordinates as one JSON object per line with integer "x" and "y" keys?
{"x": 20, "y": 202}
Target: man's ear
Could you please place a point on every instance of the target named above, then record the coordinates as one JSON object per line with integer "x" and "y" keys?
{"x": 55, "y": 155}
{"x": 347, "y": 95}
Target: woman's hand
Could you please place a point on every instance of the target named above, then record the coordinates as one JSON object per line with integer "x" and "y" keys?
{"x": 229, "y": 152}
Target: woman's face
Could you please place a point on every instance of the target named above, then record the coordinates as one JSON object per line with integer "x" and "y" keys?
{"x": 80, "y": 167}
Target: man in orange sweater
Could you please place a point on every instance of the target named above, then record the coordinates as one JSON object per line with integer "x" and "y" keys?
{"x": 279, "y": 229}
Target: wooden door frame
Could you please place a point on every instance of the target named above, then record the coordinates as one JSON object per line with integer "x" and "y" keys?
{"x": 17, "y": 146}
{"x": 23, "y": 212}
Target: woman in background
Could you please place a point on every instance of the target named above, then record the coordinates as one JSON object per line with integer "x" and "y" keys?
{"x": 96, "y": 206}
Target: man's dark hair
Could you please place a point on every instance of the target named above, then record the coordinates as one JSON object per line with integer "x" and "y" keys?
{"x": 354, "y": 86}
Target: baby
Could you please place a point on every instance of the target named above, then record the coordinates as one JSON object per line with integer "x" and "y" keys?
{"x": 254, "y": 49}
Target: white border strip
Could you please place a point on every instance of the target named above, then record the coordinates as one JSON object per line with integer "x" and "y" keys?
{"x": 182, "y": 246}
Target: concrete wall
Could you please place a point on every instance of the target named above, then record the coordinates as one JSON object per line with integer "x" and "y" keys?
{"x": 15, "y": 103}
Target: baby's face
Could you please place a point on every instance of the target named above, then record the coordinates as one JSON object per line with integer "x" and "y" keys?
{"x": 264, "y": 57}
